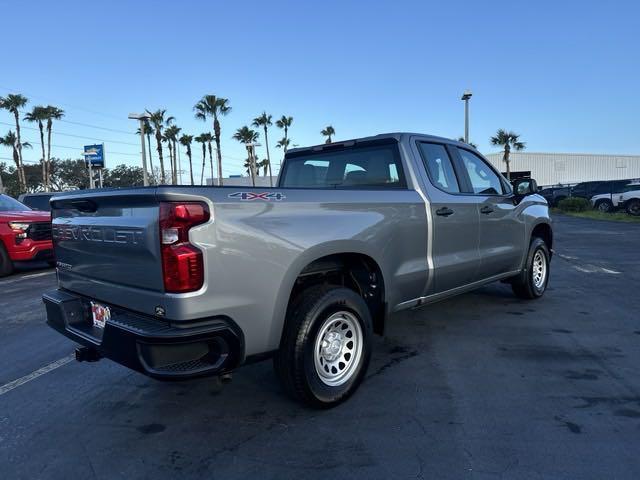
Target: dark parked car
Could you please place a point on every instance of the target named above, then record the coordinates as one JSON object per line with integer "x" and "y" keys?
{"x": 37, "y": 201}
{"x": 554, "y": 195}
{"x": 589, "y": 189}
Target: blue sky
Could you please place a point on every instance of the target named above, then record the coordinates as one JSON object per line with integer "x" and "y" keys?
{"x": 565, "y": 75}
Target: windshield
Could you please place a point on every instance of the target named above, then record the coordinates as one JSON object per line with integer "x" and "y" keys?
{"x": 8, "y": 204}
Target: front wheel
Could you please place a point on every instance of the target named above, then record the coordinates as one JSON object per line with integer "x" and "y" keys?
{"x": 532, "y": 282}
{"x": 633, "y": 207}
{"x": 326, "y": 346}
{"x": 6, "y": 265}
{"x": 604, "y": 206}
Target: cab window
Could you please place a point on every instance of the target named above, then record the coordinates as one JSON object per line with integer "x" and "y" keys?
{"x": 484, "y": 180}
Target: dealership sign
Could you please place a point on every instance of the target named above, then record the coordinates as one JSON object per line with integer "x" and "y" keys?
{"x": 95, "y": 155}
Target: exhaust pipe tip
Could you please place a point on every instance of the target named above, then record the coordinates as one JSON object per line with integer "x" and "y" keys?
{"x": 87, "y": 354}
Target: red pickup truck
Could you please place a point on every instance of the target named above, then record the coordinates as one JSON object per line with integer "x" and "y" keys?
{"x": 25, "y": 235}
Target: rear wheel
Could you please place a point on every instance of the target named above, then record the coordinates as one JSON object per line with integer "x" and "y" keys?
{"x": 326, "y": 346}
{"x": 604, "y": 206}
{"x": 6, "y": 265}
{"x": 633, "y": 207}
{"x": 532, "y": 281}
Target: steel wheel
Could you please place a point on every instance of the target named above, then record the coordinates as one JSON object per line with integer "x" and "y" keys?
{"x": 539, "y": 269}
{"x": 338, "y": 348}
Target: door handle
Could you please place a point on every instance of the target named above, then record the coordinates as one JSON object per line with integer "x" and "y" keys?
{"x": 486, "y": 210}
{"x": 444, "y": 212}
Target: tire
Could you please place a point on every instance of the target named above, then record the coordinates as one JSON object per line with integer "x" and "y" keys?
{"x": 633, "y": 207}
{"x": 533, "y": 280}
{"x": 6, "y": 265}
{"x": 604, "y": 206}
{"x": 324, "y": 377}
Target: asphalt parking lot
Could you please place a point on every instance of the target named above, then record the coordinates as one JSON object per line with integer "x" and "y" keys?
{"x": 480, "y": 386}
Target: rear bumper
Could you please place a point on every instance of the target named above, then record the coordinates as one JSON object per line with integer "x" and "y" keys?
{"x": 156, "y": 348}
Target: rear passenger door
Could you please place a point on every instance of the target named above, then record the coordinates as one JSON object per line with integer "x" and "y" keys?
{"x": 453, "y": 244}
{"x": 502, "y": 231}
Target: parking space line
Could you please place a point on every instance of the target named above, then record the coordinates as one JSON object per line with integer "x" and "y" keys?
{"x": 7, "y": 387}
{"x": 33, "y": 275}
{"x": 587, "y": 267}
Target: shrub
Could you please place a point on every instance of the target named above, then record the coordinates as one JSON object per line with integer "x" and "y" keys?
{"x": 574, "y": 204}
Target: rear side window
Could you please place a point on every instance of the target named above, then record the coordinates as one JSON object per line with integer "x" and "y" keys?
{"x": 352, "y": 167}
{"x": 439, "y": 167}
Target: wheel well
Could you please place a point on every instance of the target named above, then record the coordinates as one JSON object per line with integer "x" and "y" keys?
{"x": 355, "y": 271}
{"x": 544, "y": 232}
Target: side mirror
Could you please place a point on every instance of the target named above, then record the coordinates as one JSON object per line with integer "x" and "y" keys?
{"x": 524, "y": 186}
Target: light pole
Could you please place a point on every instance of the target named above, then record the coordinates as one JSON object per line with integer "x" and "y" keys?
{"x": 466, "y": 96}
{"x": 142, "y": 117}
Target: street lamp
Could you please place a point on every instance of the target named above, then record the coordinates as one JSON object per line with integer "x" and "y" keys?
{"x": 142, "y": 117}
{"x": 466, "y": 96}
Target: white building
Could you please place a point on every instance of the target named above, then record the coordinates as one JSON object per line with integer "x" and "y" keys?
{"x": 569, "y": 168}
{"x": 243, "y": 181}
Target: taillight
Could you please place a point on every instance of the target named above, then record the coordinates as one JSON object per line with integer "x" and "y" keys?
{"x": 182, "y": 264}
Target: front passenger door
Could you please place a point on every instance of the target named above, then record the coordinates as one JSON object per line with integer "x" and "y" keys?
{"x": 502, "y": 231}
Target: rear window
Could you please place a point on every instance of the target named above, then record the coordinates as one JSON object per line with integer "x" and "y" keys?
{"x": 375, "y": 166}
{"x": 8, "y": 204}
{"x": 38, "y": 202}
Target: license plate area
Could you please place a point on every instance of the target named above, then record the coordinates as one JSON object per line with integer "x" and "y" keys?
{"x": 91, "y": 320}
{"x": 100, "y": 314}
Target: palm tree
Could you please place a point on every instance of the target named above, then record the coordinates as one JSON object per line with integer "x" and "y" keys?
{"x": 212, "y": 106}
{"x": 53, "y": 113}
{"x": 38, "y": 115}
{"x": 265, "y": 165}
{"x": 264, "y": 121}
{"x": 148, "y": 131}
{"x": 202, "y": 138}
{"x": 210, "y": 138}
{"x": 471, "y": 144}
{"x": 285, "y": 123}
{"x": 284, "y": 143}
{"x": 170, "y": 148}
{"x": 507, "y": 140}
{"x": 185, "y": 140}
{"x": 11, "y": 140}
{"x": 159, "y": 122}
{"x": 327, "y": 132}
{"x": 171, "y": 137}
{"x": 14, "y": 102}
{"x": 248, "y": 137}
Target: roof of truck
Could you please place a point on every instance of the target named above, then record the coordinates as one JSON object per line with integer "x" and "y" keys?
{"x": 382, "y": 136}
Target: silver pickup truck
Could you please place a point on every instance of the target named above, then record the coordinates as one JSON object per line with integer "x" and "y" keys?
{"x": 178, "y": 282}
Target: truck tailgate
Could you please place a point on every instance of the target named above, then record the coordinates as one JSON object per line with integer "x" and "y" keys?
{"x": 108, "y": 236}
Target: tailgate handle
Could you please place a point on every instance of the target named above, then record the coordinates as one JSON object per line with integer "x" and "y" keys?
{"x": 84, "y": 205}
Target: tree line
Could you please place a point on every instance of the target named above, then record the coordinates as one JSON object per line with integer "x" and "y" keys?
{"x": 68, "y": 174}
{"x": 159, "y": 125}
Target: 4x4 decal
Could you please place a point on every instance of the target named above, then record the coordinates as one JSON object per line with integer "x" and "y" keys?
{"x": 266, "y": 196}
